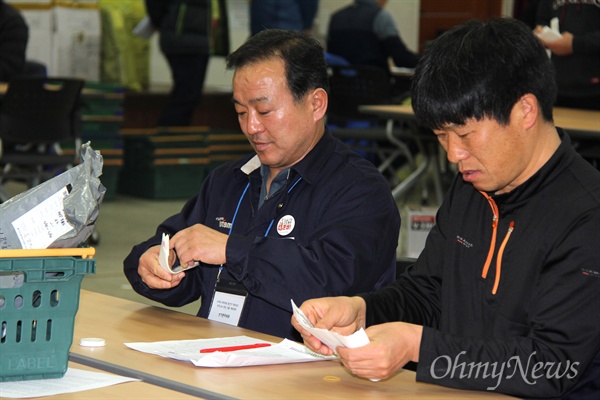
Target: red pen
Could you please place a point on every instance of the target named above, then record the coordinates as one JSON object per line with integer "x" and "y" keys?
{"x": 234, "y": 348}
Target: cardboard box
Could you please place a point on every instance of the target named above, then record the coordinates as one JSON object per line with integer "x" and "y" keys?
{"x": 416, "y": 225}
{"x": 76, "y": 49}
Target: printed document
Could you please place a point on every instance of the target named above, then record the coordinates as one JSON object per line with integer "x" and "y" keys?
{"x": 285, "y": 352}
{"x": 74, "y": 380}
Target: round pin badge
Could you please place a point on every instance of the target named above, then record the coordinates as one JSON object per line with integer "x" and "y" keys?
{"x": 286, "y": 225}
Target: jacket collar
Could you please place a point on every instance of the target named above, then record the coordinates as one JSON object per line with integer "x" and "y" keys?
{"x": 558, "y": 162}
{"x": 309, "y": 167}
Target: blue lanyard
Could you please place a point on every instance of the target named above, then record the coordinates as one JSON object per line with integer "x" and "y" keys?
{"x": 240, "y": 202}
{"x": 237, "y": 208}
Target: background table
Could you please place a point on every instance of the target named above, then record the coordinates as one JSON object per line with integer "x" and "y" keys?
{"x": 120, "y": 321}
{"x": 580, "y": 124}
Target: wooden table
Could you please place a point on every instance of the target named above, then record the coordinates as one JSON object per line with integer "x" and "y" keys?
{"x": 88, "y": 93}
{"x": 581, "y": 124}
{"x": 120, "y": 321}
{"x": 127, "y": 390}
{"x": 426, "y": 142}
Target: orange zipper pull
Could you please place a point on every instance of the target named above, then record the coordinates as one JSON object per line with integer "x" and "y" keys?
{"x": 511, "y": 228}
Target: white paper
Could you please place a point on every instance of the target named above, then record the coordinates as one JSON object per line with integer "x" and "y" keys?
{"x": 554, "y": 24}
{"x": 39, "y": 227}
{"x": 226, "y": 308}
{"x": 402, "y": 71}
{"x": 285, "y": 352}
{"x": 547, "y": 34}
{"x": 73, "y": 381}
{"x": 144, "y": 29}
{"x": 163, "y": 257}
{"x": 329, "y": 338}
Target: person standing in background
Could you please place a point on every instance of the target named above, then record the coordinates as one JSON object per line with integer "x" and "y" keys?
{"x": 185, "y": 28}
{"x": 14, "y": 35}
{"x": 297, "y": 15}
{"x": 576, "y": 56}
{"x": 364, "y": 33}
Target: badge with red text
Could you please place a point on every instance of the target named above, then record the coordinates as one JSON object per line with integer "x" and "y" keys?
{"x": 286, "y": 225}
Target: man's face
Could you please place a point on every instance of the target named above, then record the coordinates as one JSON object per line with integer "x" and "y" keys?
{"x": 280, "y": 130}
{"x": 492, "y": 157}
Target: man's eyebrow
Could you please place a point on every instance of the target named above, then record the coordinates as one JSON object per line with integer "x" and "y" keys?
{"x": 251, "y": 101}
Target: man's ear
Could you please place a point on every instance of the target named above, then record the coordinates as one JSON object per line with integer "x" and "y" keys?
{"x": 528, "y": 109}
{"x": 318, "y": 100}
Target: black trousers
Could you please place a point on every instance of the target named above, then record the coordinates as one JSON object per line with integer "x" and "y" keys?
{"x": 188, "y": 72}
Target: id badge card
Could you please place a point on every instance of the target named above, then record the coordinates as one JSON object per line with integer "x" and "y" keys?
{"x": 228, "y": 302}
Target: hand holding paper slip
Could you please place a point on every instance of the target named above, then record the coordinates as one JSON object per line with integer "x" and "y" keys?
{"x": 163, "y": 257}
{"x": 550, "y": 33}
{"x": 329, "y": 338}
{"x": 547, "y": 34}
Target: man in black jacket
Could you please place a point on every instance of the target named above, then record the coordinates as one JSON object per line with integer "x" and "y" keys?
{"x": 14, "y": 34}
{"x": 576, "y": 55}
{"x": 505, "y": 295}
{"x": 185, "y": 41}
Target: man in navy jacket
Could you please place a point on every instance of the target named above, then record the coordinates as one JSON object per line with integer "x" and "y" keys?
{"x": 364, "y": 33}
{"x": 303, "y": 217}
{"x": 505, "y": 295}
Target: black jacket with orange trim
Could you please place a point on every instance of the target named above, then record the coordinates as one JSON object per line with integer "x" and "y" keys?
{"x": 537, "y": 335}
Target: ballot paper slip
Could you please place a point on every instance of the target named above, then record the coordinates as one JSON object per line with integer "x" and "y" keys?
{"x": 329, "y": 338}
{"x": 163, "y": 257}
{"x": 74, "y": 380}
{"x": 547, "y": 34}
{"x": 285, "y": 352}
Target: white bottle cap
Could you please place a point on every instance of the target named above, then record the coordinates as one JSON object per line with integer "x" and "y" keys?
{"x": 92, "y": 342}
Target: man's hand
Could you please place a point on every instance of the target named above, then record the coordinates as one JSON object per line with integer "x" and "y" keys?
{"x": 199, "y": 243}
{"x": 392, "y": 346}
{"x": 153, "y": 274}
{"x": 344, "y": 315}
{"x": 562, "y": 46}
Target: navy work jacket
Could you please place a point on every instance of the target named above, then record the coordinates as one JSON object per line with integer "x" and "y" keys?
{"x": 335, "y": 232}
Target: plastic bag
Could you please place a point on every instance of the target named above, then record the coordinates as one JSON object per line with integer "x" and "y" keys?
{"x": 60, "y": 212}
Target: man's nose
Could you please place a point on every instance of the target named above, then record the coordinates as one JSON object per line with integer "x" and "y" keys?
{"x": 253, "y": 125}
{"x": 455, "y": 150}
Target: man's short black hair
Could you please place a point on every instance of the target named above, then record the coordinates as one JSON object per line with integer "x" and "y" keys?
{"x": 303, "y": 56}
{"x": 481, "y": 69}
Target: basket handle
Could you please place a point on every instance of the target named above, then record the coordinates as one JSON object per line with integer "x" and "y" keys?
{"x": 83, "y": 252}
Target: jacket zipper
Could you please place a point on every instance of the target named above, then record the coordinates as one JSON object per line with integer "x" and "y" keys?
{"x": 488, "y": 261}
{"x": 180, "y": 17}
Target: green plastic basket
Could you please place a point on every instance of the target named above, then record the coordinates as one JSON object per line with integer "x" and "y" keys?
{"x": 39, "y": 297}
